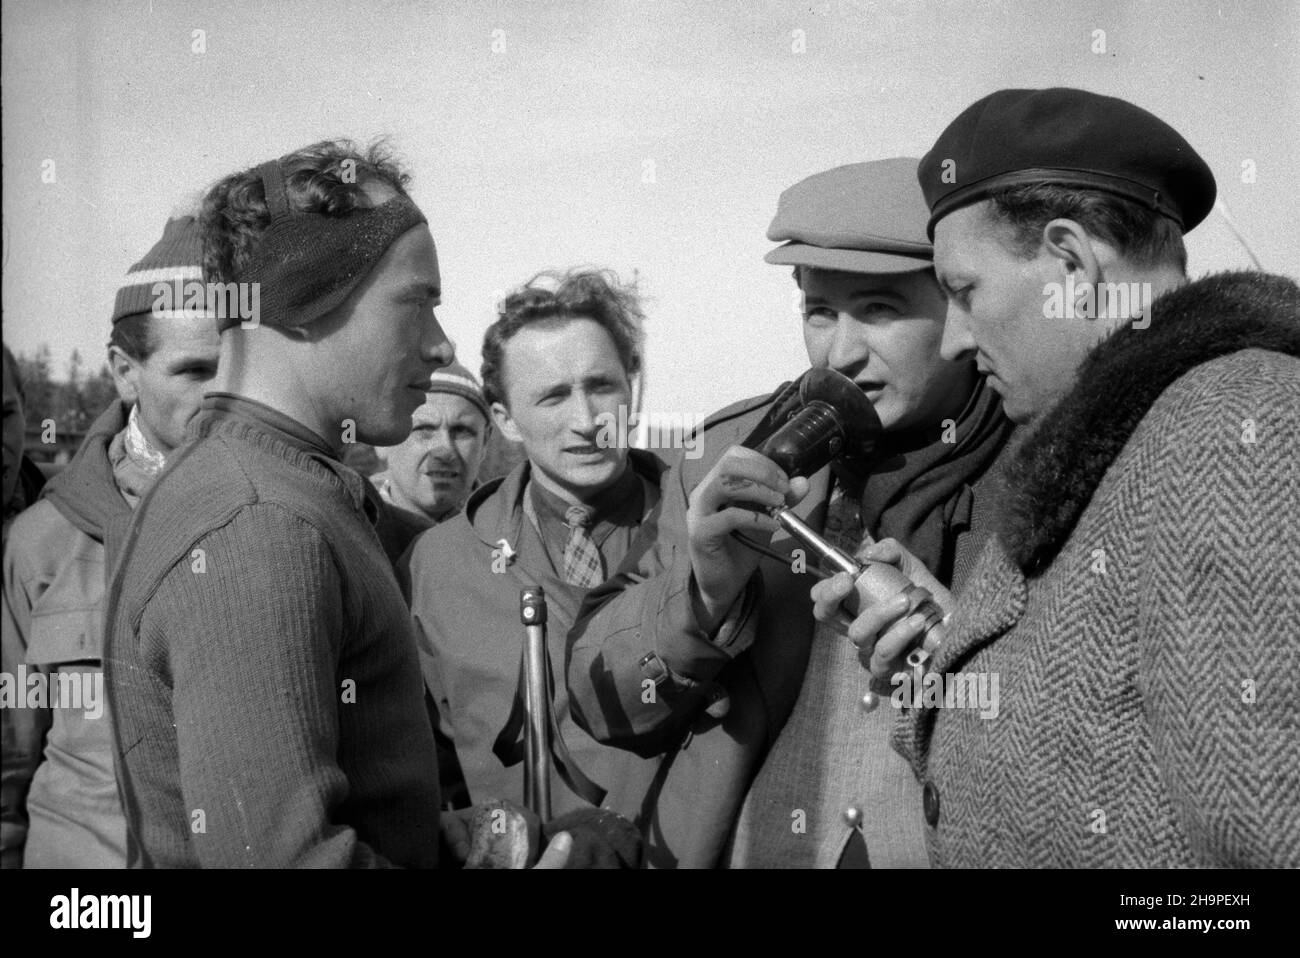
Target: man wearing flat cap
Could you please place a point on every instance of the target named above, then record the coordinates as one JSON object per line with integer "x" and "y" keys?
{"x": 1141, "y": 598}
{"x": 702, "y": 650}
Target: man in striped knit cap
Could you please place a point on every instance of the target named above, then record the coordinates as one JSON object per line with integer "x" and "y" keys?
{"x": 428, "y": 477}
{"x": 55, "y": 570}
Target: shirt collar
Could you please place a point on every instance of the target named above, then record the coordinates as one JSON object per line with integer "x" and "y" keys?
{"x": 607, "y": 506}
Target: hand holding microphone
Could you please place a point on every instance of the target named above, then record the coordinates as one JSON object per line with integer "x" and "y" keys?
{"x": 887, "y": 623}
{"x": 898, "y": 605}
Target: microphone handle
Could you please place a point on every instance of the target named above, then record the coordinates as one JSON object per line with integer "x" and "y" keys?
{"x": 875, "y": 581}
{"x": 537, "y": 740}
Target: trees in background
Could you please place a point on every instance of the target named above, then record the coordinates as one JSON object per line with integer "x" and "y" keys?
{"x": 72, "y": 402}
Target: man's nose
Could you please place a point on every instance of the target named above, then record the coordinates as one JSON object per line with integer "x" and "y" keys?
{"x": 436, "y": 347}
{"x": 582, "y": 413}
{"x": 440, "y": 444}
{"x": 849, "y": 346}
{"x": 957, "y": 342}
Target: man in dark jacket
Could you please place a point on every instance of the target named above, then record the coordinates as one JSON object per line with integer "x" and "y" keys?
{"x": 54, "y": 568}
{"x": 558, "y": 367}
{"x": 700, "y": 651}
{"x": 1139, "y": 600}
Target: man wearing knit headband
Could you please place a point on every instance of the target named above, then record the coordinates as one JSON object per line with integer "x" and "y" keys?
{"x": 263, "y": 678}
{"x": 55, "y": 565}
{"x": 428, "y": 476}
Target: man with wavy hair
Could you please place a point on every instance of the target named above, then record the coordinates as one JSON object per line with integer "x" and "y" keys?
{"x": 558, "y": 364}
{"x": 262, "y": 676}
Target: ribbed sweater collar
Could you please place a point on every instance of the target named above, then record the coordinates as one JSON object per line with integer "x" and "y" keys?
{"x": 232, "y": 414}
{"x": 274, "y": 421}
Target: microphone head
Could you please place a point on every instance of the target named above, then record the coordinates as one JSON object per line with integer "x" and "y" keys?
{"x": 833, "y": 419}
{"x": 854, "y": 411}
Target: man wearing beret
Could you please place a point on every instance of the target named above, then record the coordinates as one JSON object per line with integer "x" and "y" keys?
{"x": 55, "y": 573}
{"x": 701, "y": 650}
{"x": 1139, "y": 601}
{"x": 427, "y": 477}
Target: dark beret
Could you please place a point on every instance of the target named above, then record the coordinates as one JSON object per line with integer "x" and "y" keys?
{"x": 1072, "y": 138}
{"x": 859, "y": 218}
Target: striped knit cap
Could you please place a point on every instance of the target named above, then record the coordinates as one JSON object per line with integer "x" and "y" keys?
{"x": 459, "y": 381}
{"x": 175, "y": 260}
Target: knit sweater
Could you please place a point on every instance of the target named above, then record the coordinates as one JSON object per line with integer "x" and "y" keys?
{"x": 262, "y": 675}
{"x": 1140, "y": 611}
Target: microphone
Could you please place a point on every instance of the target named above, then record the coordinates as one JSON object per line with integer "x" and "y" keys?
{"x": 831, "y": 419}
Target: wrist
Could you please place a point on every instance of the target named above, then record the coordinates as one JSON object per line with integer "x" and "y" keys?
{"x": 710, "y": 607}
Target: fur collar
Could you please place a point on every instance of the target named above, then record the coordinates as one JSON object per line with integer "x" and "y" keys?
{"x": 1053, "y": 474}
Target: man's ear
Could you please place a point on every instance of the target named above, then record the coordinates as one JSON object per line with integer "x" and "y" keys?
{"x": 126, "y": 375}
{"x": 1074, "y": 250}
{"x": 501, "y": 416}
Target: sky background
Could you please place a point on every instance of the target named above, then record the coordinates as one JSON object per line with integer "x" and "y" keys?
{"x": 539, "y": 154}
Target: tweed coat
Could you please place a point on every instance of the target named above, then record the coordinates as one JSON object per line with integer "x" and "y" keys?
{"x": 1140, "y": 605}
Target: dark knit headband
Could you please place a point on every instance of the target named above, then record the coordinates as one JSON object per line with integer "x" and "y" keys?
{"x": 307, "y": 263}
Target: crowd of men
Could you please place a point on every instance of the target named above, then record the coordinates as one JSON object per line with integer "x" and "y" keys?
{"x": 281, "y": 663}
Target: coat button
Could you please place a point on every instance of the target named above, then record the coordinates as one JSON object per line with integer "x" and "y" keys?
{"x": 852, "y": 816}
{"x": 930, "y": 803}
{"x": 869, "y": 701}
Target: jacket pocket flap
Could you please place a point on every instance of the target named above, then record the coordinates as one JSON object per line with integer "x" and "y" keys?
{"x": 74, "y": 635}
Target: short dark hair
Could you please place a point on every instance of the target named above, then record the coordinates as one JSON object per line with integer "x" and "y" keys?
{"x": 1141, "y": 235}
{"x": 595, "y": 294}
{"x": 328, "y": 177}
{"x": 134, "y": 336}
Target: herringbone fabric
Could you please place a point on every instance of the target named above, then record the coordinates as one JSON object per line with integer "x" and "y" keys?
{"x": 831, "y": 756}
{"x": 583, "y": 565}
{"x": 1150, "y": 676}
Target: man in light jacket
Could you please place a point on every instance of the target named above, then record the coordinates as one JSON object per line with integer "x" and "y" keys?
{"x": 55, "y": 572}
